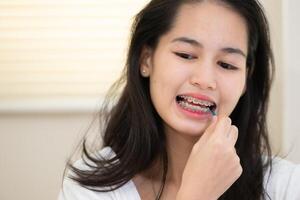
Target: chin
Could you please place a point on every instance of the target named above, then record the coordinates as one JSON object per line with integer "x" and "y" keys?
{"x": 194, "y": 133}
{"x": 191, "y": 131}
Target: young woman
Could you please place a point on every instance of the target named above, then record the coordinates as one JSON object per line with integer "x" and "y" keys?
{"x": 188, "y": 61}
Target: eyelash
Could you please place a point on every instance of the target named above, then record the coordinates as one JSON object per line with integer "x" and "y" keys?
{"x": 227, "y": 66}
{"x": 185, "y": 56}
{"x": 191, "y": 57}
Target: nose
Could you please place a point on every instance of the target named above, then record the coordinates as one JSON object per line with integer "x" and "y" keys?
{"x": 204, "y": 77}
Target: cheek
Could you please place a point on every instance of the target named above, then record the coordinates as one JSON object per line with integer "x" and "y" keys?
{"x": 166, "y": 80}
{"x": 230, "y": 93}
{"x": 168, "y": 73}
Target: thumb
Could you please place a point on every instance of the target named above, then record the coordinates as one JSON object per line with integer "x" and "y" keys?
{"x": 212, "y": 125}
{"x": 207, "y": 133}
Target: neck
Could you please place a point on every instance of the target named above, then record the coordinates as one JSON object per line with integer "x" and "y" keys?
{"x": 179, "y": 147}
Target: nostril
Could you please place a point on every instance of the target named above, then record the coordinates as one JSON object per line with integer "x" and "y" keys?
{"x": 204, "y": 83}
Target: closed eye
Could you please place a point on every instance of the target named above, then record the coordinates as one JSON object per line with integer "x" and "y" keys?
{"x": 227, "y": 66}
{"x": 185, "y": 56}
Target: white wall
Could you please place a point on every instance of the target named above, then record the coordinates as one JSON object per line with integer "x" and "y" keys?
{"x": 284, "y": 108}
{"x": 33, "y": 150}
{"x": 35, "y": 145}
{"x": 273, "y": 11}
{"x": 291, "y": 27}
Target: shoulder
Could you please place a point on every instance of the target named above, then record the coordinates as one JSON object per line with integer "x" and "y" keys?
{"x": 282, "y": 180}
{"x": 71, "y": 190}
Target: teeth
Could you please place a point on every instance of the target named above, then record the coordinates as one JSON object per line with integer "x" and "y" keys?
{"x": 197, "y": 101}
{"x": 193, "y": 107}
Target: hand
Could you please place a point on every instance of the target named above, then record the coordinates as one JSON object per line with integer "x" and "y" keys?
{"x": 213, "y": 165}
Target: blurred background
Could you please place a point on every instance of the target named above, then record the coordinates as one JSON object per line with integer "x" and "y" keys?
{"x": 57, "y": 59}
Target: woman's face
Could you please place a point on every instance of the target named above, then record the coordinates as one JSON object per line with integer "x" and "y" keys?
{"x": 198, "y": 66}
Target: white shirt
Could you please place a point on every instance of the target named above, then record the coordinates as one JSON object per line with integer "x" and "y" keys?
{"x": 283, "y": 184}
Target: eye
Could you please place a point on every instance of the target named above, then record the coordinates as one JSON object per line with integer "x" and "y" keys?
{"x": 185, "y": 56}
{"x": 227, "y": 66}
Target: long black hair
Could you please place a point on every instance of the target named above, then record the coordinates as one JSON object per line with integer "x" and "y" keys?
{"x": 133, "y": 128}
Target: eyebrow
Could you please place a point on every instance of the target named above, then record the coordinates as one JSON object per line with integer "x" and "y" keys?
{"x": 195, "y": 43}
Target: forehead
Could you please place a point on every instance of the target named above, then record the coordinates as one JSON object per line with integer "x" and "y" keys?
{"x": 213, "y": 24}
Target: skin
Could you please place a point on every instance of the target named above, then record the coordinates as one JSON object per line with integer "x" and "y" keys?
{"x": 214, "y": 65}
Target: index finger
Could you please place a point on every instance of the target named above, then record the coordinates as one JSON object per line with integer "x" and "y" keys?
{"x": 223, "y": 126}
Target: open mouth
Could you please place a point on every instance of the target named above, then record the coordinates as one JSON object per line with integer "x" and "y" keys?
{"x": 196, "y": 105}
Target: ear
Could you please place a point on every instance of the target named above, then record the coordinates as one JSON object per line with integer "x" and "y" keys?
{"x": 146, "y": 62}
